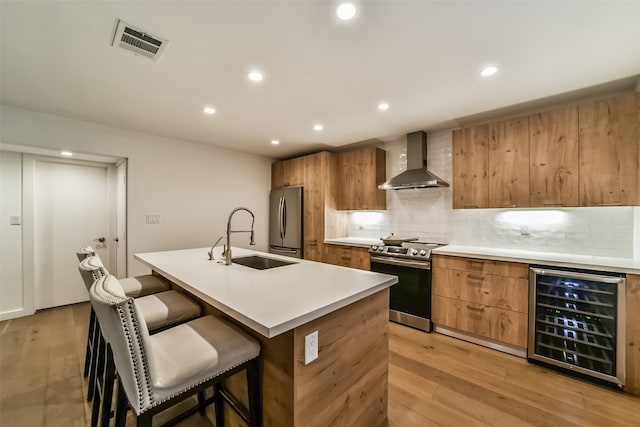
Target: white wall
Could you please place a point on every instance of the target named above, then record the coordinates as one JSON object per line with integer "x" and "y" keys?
{"x": 427, "y": 213}
{"x": 192, "y": 186}
{"x": 11, "y": 291}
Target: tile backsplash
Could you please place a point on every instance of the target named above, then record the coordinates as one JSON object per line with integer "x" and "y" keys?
{"x": 427, "y": 214}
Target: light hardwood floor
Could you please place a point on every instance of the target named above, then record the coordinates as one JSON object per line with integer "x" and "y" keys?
{"x": 433, "y": 380}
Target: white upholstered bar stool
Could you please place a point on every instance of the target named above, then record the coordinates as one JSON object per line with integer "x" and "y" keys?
{"x": 158, "y": 371}
{"x": 134, "y": 286}
{"x": 84, "y": 252}
{"x": 159, "y": 310}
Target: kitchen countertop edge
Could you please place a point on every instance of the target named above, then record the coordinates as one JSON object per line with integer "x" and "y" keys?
{"x": 590, "y": 262}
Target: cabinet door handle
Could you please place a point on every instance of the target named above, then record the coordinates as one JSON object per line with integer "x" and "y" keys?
{"x": 474, "y": 277}
{"x": 476, "y": 307}
{"x": 471, "y": 263}
{"x": 553, "y": 204}
{"x": 609, "y": 204}
{"x": 470, "y": 207}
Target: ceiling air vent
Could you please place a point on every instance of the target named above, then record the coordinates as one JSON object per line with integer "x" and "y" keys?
{"x": 137, "y": 41}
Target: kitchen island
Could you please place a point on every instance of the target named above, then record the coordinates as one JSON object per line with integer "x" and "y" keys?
{"x": 347, "y": 384}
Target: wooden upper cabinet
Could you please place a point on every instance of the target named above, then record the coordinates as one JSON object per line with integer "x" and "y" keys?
{"x": 470, "y": 167}
{"x": 318, "y": 173}
{"x": 287, "y": 173}
{"x": 609, "y": 151}
{"x": 359, "y": 174}
{"x": 553, "y": 168}
{"x": 509, "y": 163}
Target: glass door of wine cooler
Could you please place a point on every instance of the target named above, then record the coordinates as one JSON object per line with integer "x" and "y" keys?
{"x": 576, "y": 322}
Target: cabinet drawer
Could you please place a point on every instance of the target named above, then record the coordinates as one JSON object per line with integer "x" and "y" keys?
{"x": 482, "y": 266}
{"x": 501, "y": 325}
{"x": 348, "y": 256}
{"x": 506, "y": 293}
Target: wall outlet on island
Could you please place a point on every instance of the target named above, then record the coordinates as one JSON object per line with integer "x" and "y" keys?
{"x": 310, "y": 347}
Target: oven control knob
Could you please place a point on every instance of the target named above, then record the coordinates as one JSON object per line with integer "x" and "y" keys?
{"x": 414, "y": 252}
{"x": 374, "y": 248}
{"x": 380, "y": 248}
{"x": 423, "y": 252}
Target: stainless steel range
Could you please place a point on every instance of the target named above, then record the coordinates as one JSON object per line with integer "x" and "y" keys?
{"x": 410, "y": 298}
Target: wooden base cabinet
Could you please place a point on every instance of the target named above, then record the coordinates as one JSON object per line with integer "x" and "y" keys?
{"x": 348, "y": 256}
{"x": 481, "y": 297}
{"x": 632, "y": 334}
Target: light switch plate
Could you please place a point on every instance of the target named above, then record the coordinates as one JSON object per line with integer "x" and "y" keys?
{"x": 310, "y": 347}
{"x": 15, "y": 219}
{"x": 152, "y": 218}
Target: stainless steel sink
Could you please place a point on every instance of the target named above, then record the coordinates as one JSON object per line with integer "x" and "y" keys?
{"x": 260, "y": 263}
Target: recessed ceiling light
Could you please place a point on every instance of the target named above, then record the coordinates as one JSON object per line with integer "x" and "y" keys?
{"x": 255, "y": 76}
{"x": 66, "y": 153}
{"x": 383, "y": 106}
{"x": 318, "y": 127}
{"x": 209, "y": 110}
{"x": 275, "y": 142}
{"x": 346, "y": 11}
{"x": 489, "y": 71}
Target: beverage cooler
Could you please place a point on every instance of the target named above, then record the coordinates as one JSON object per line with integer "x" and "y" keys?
{"x": 576, "y": 321}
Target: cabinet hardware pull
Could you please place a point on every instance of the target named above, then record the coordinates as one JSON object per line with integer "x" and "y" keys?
{"x": 609, "y": 204}
{"x": 510, "y": 206}
{"x": 470, "y": 263}
{"x": 553, "y": 204}
{"x": 470, "y": 206}
{"x": 474, "y": 277}
{"x": 476, "y": 307}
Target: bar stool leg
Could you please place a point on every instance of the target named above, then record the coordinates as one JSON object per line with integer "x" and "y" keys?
{"x": 88, "y": 353}
{"x": 254, "y": 386}
{"x": 122, "y": 407}
{"x": 219, "y": 404}
{"x": 97, "y": 338}
{"x": 95, "y": 410}
{"x": 107, "y": 387}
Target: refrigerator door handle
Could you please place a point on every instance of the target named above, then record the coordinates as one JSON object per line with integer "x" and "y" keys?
{"x": 284, "y": 217}
{"x": 280, "y": 202}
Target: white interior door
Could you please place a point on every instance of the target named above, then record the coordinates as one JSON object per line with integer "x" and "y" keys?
{"x": 70, "y": 210}
{"x": 120, "y": 239}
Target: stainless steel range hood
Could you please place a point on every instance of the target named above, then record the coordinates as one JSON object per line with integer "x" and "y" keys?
{"x": 416, "y": 175}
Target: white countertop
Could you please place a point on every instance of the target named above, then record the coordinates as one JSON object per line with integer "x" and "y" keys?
{"x": 269, "y": 301}
{"x": 362, "y": 242}
{"x": 622, "y": 265}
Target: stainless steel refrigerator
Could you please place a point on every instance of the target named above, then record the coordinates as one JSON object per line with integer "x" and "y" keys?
{"x": 285, "y": 222}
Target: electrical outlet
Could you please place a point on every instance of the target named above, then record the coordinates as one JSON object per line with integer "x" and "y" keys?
{"x": 310, "y": 347}
{"x": 15, "y": 219}
{"x": 524, "y": 230}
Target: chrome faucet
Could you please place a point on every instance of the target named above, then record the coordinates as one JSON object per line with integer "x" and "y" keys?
{"x": 227, "y": 249}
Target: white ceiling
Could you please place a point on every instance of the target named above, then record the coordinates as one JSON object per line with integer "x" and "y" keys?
{"x": 422, "y": 57}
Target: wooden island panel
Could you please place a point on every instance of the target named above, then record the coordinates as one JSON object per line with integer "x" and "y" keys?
{"x": 346, "y": 385}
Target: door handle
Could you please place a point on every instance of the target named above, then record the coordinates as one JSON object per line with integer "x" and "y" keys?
{"x": 100, "y": 239}
{"x": 116, "y": 240}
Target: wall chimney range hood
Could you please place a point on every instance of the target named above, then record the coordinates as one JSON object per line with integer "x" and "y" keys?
{"x": 416, "y": 175}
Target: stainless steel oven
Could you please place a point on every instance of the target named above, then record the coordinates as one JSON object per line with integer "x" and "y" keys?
{"x": 410, "y": 298}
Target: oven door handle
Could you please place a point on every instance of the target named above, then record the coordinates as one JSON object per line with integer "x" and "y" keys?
{"x": 423, "y": 265}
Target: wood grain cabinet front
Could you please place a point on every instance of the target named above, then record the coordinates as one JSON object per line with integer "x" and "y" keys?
{"x": 348, "y": 256}
{"x": 553, "y": 167}
{"x": 585, "y": 155}
{"x": 359, "y": 174}
{"x": 482, "y": 297}
{"x": 632, "y": 334}
{"x": 609, "y": 152}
